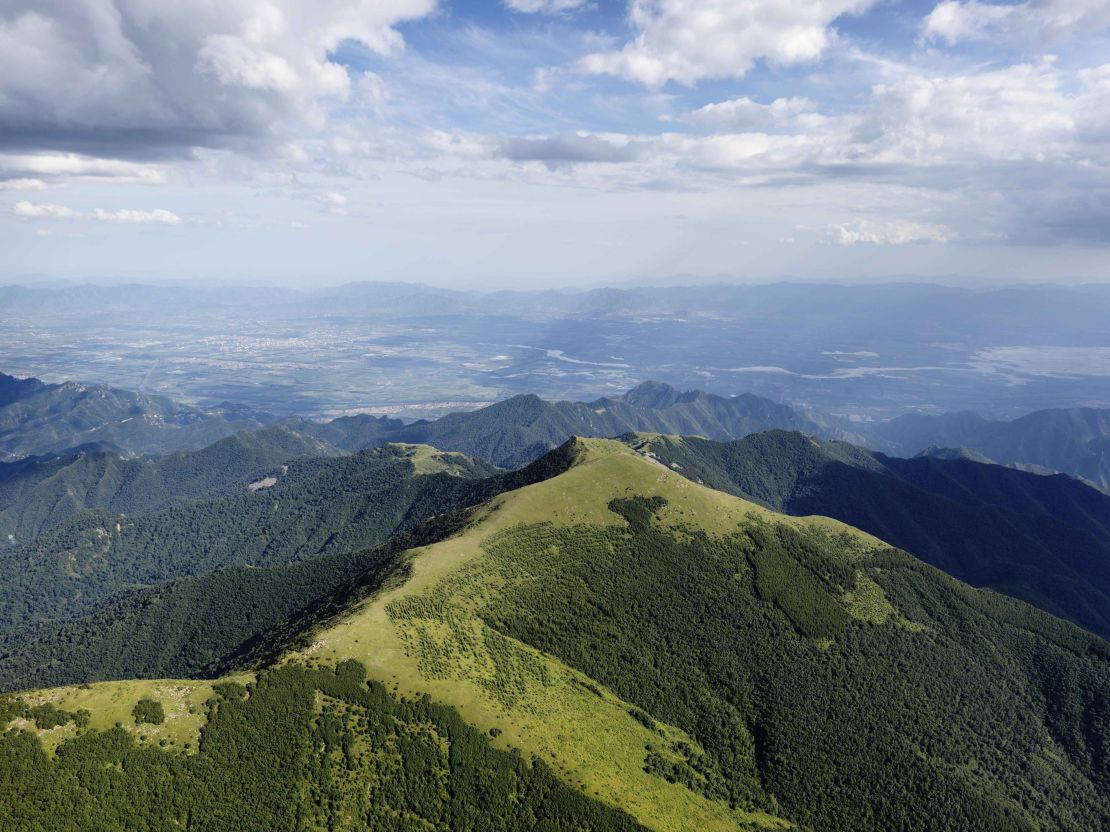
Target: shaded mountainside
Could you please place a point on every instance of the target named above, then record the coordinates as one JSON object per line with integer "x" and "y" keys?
{"x": 518, "y": 430}
{"x": 197, "y": 624}
{"x": 307, "y": 507}
{"x": 1074, "y": 441}
{"x": 38, "y": 493}
{"x": 42, "y": 419}
{"x": 1044, "y": 539}
{"x": 12, "y": 389}
{"x": 658, "y": 653}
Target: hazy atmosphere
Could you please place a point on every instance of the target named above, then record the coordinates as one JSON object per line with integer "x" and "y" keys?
{"x": 554, "y": 142}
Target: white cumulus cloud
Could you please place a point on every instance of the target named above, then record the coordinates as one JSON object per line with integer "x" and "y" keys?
{"x": 73, "y": 166}
{"x": 745, "y": 114}
{"x": 685, "y": 41}
{"x": 48, "y": 210}
{"x": 887, "y": 233}
{"x": 129, "y": 78}
{"x": 158, "y": 215}
{"x": 21, "y": 184}
{"x": 1041, "y": 21}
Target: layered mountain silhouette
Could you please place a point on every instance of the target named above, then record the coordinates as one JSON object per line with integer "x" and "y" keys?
{"x": 43, "y": 419}
{"x": 1075, "y": 441}
{"x": 516, "y": 431}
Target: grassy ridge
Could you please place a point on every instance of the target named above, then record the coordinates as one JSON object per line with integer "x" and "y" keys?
{"x": 808, "y": 678}
{"x": 426, "y": 636}
{"x": 685, "y": 658}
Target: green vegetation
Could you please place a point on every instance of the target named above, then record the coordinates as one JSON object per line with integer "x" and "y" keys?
{"x": 298, "y": 749}
{"x": 203, "y": 624}
{"x": 148, "y": 710}
{"x": 660, "y": 655}
{"x": 795, "y": 668}
{"x": 316, "y": 506}
{"x": 802, "y": 709}
{"x": 425, "y": 636}
{"x": 39, "y": 493}
{"x": 183, "y": 627}
{"x": 1045, "y": 540}
{"x": 44, "y": 715}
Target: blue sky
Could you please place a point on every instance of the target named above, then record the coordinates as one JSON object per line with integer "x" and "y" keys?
{"x": 554, "y": 142}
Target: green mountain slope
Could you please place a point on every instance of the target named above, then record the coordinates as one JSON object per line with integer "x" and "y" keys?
{"x": 305, "y": 750}
{"x": 677, "y": 655}
{"x": 183, "y": 627}
{"x": 308, "y": 507}
{"x": 38, "y": 493}
{"x": 43, "y": 419}
{"x": 1075, "y": 441}
{"x": 518, "y": 430}
{"x": 197, "y": 625}
{"x": 1043, "y": 539}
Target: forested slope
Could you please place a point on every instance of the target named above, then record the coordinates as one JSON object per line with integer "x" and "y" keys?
{"x": 200, "y": 624}
{"x": 1044, "y": 539}
{"x": 38, "y": 493}
{"x": 684, "y": 658}
{"x": 297, "y": 750}
{"x": 308, "y": 507}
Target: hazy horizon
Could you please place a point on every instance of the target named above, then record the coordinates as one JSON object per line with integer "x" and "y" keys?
{"x": 310, "y": 285}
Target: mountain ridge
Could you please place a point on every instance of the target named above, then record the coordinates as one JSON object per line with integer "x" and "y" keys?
{"x": 1074, "y": 441}
{"x": 1043, "y": 539}
{"x": 679, "y": 655}
{"x": 519, "y": 429}
{"x": 43, "y": 419}
{"x": 40, "y": 492}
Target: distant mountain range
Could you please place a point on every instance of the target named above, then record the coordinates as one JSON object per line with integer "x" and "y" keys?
{"x": 44, "y": 420}
{"x": 41, "y": 419}
{"x": 1075, "y": 441}
{"x": 513, "y": 432}
{"x": 47, "y": 420}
